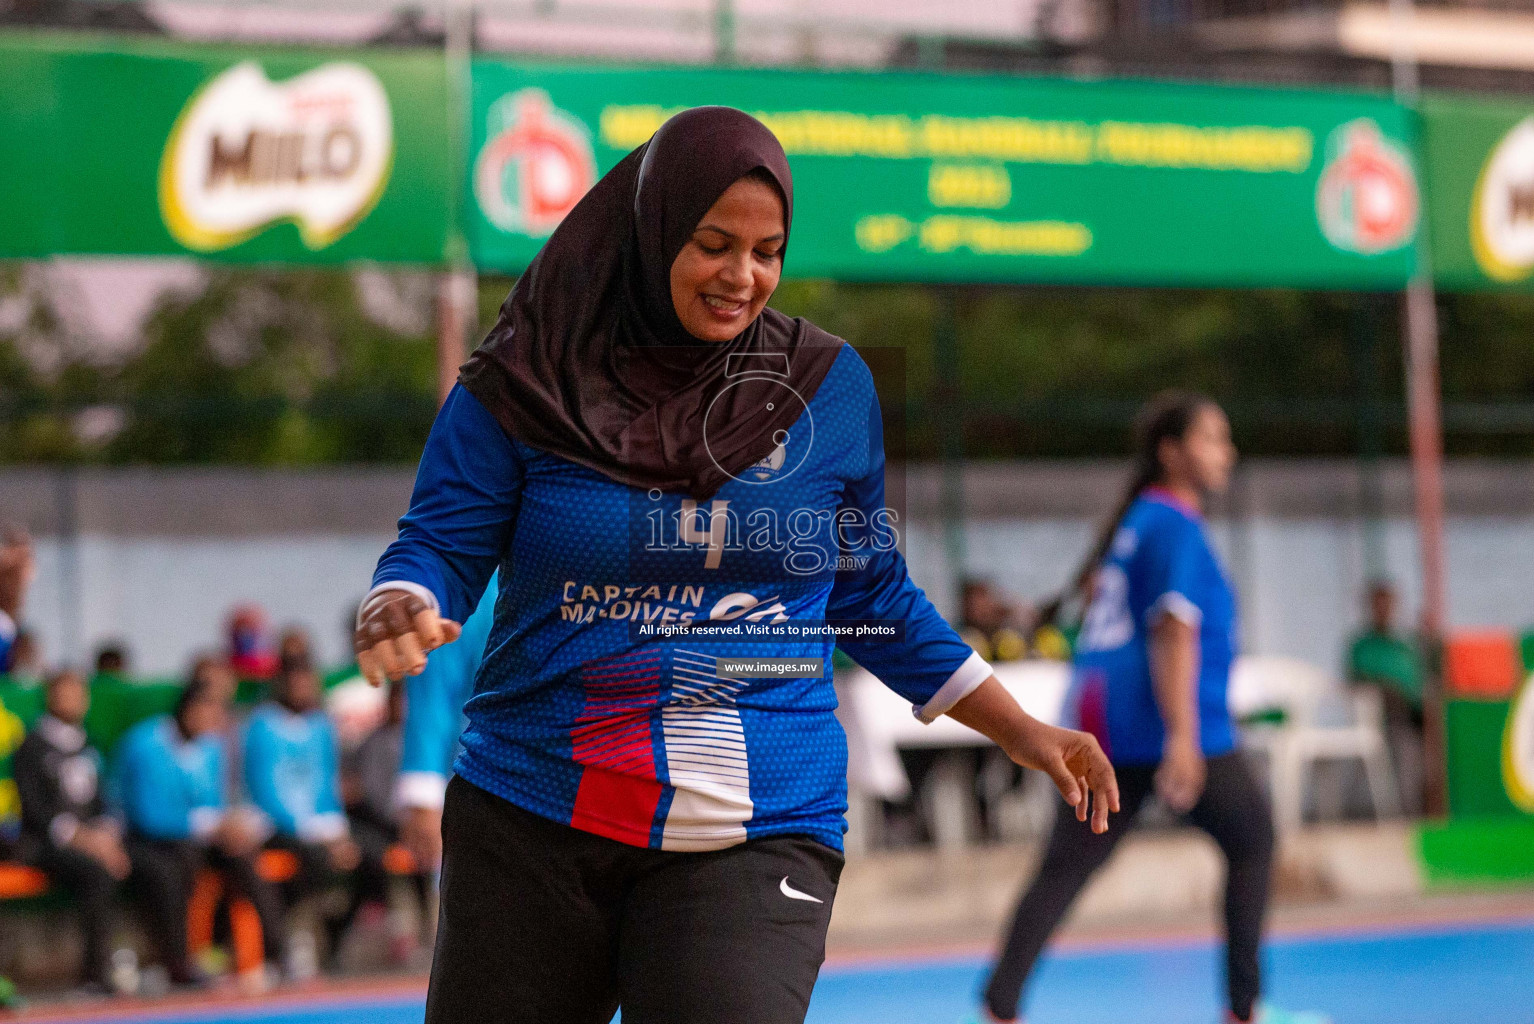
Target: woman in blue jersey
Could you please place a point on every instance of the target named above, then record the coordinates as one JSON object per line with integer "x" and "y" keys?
{"x": 1152, "y": 666}
{"x": 170, "y": 782}
{"x": 649, "y": 455}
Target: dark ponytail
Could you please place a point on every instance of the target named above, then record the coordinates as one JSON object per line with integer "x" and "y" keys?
{"x": 1166, "y": 417}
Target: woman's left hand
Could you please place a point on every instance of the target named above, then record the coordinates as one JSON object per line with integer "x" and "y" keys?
{"x": 1074, "y": 760}
{"x": 1076, "y": 763}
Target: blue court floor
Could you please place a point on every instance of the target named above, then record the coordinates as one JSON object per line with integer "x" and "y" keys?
{"x": 1449, "y": 974}
{"x": 1458, "y": 975}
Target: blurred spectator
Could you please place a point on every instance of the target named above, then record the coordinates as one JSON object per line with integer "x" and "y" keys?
{"x": 356, "y": 707}
{"x": 294, "y": 644}
{"x": 368, "y": 781}
{"x": 112, "y": 660}
{"x": 988, "y": 623}
{"x": 1383, "y": 657}
{"x": 65, "y": 829}
{"x": 1050, "y": 641}
{"x": 292, "y": 774}
{"x": 213, "y": 672}
{"x": 1002, "y": 631}
{"x": 26, "y": 665}
{"x": 12, "y": 732}
{"x": 434, "y": 721}
{"x": 17, "y": 567}
{"x": 171, "y": 781}
{"x": 251, "y": 654}
{"x": 111, "y": 692}
{"x": 1380, "y": 654}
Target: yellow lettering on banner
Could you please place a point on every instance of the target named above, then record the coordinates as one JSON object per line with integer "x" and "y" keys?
{"x": 987, "y": 237}
{"x": 987, "y": 186}
{"x": 628, "y": 127}
{"x": 947, "y": 233}
{"x": 1257, "y": 149}
{"x": 882, "y": 232}
{"x": 1016, "y": 139}
{"x": 839, "y": 133}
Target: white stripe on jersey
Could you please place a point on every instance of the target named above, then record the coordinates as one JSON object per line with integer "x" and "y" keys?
{"x": 706, "y": 758}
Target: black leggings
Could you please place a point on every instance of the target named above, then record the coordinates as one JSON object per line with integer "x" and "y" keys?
{"x": 93, "y": 889}
{"x": 369, "y": 882}
{"x": 544, "y": 924}
{"x": 1233, "y": 810}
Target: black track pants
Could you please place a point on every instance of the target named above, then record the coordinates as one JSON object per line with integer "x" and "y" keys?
{"x": 1233, "y": 811}
{"x": 545, "y": 924}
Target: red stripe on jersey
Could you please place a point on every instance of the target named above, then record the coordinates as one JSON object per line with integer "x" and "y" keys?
{"x": 619, "y": 792}
{"x": 1093, "y": 709}
{"x": 619, "y": 807}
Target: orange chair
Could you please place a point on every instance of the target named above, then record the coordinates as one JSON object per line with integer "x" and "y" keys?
{"x": 18, "y": 881}
{"x": 400, "y": 861}
{"x": 277, "y": 866}
{"x": 1481, "y": 665}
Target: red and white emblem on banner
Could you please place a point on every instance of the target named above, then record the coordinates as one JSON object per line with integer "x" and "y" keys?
{"x": 535, "y": 166}
{"x": 1367, "y": 199}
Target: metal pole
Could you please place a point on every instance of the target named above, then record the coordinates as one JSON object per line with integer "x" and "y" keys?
{"x": 457, "y": 291}
{"x": 1364, "y": 339}
{"x": 724, "y": 31}
{"x": 1426, "y": 432}
{"x": 456, "y": 299}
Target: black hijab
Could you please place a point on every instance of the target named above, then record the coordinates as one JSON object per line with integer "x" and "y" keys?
{"x": 588, "y": 359}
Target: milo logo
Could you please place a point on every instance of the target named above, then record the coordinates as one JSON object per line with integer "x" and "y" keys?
{"x": 1502, "y": 211}
{"x": 535, "y": 165}
{"x": 247, "y": 152}
{"x": 1518, "y": 749}
{"x": 1366, "y": 200}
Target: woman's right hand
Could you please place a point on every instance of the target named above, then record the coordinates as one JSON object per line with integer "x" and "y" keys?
{"x": 1181, "y": 775}
{"x": 396, "y": 629}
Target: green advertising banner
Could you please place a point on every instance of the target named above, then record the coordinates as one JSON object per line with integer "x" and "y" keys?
{"x": 1478, "y": 160}
{"x": 228, "y": 153}
{"x": 947, "y": 178}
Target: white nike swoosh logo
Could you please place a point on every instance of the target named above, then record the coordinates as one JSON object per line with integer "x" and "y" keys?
{"x": 795, "y": 894}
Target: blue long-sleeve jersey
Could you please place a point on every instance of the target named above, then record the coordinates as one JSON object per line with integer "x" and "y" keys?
{"x": 434, "y": 703}
{"x": 1160, "y": 563}
{"x": 169, "y": 787}
{"x": 579, "y": 716}
{"x": 292, "y": 772}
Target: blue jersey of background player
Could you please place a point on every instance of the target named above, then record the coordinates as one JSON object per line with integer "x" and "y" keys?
{"x": 1160, "y": 563}
{"x": 434, "y": 722}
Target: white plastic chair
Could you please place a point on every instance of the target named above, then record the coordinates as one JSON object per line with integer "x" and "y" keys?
{"x": 1323, "y": 721}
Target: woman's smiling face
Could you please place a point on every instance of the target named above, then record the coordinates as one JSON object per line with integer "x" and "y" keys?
{"x": 730, "y": 266}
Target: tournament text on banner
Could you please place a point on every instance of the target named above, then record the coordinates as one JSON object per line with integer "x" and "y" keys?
{"x": 950, "y": 178}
